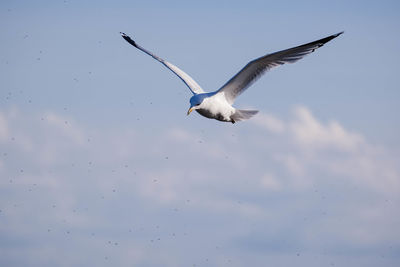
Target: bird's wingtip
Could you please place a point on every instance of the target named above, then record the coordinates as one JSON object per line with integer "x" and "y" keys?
{"x": 336, "y": 35}
{"x": 128, "y": 39}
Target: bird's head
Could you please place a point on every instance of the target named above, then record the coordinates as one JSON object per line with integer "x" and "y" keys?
{"x": 195, "y": 102}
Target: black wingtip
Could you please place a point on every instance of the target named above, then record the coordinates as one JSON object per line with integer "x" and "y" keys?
{"x": 128, "y": 39}
{"x": 327, "y": 39}
{"x": 336, "y": 35}
{"x": 322, "y": 41}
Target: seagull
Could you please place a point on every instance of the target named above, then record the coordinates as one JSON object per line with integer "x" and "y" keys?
{"x": 218, "y": 104}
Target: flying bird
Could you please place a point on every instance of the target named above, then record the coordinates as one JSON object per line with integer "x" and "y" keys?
{"x": 218, "y": 104}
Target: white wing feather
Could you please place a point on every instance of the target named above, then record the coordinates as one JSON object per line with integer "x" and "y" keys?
{"x": 190, "y": 83}
{"x": 256, "y": 68}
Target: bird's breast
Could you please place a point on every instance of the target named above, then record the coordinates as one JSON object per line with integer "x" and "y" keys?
{"x": 215, "y": 108}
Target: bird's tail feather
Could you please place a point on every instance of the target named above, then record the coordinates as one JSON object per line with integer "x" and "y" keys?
{"x": 241, "y": 114}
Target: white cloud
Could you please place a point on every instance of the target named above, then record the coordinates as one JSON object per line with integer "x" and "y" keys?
{"x": 270, "y": 182}
{"x": 269, "y": 122}
{"x": 67, "y": 126}
{"x": 128, "y": 176}
{"x": 4, "y": 132}
{"x": 181, "y": 135}
{"x": 163, "y": 187}
{"x": 294, "y": 164}
{"x": 330, "y": 149}
{"x": 310, "y": 133}
{"x": 212, "y": 149}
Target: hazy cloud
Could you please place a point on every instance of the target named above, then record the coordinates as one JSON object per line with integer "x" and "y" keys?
{"x": 269, "y": 122}
{"x": 81, "y": 178}
{"x": 3, "y": 128}
{"x": 311, "y": 134}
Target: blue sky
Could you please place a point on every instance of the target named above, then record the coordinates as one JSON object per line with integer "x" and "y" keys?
{"x": 100, "y": 165}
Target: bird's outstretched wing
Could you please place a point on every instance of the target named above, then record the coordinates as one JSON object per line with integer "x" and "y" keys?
{"x": 193, "y": 86}
{"x": 256, "y": 68}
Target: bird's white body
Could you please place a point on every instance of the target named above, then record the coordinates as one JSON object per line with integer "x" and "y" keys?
{"x": 216, "y": 107}
{"x": 218, "y": 104}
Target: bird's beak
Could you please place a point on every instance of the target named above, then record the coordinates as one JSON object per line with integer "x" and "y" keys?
{"x": 190, "y": 110}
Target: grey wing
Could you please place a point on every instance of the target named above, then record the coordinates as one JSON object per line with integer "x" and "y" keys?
{"x": 190, "y": 83}
{"x": 256, "y": 68}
